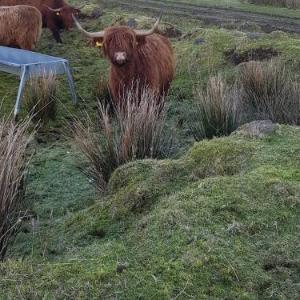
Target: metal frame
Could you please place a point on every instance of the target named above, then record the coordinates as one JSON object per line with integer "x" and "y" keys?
{"x": 35, "y": 64}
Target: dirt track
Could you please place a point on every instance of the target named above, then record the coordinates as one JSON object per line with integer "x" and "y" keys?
{"x": 212, "y": 15}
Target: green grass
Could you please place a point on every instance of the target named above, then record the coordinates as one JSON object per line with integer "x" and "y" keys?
{"x": 195, "y": 63}
{"x": 221, "y": 221}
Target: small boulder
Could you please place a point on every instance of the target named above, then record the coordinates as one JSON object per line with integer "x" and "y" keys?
{"x": 199, "y": 41}
{"x": 92, "y": 11}
{"x": 96, "y": 13}
{"x": 255, "y": 35}
{"x": 132, "y": 23}
{"x": 121, "y": 267}
{"x": 257, "y": 129}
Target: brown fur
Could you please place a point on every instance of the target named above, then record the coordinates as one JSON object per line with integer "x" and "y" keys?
{"x": 20, "y": 26}
{"x": 51, "y": 19}
{"x": 150, "y": 61}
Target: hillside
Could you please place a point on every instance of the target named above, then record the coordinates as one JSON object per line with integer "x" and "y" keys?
{"x": 216, "y": 219}
{"x": 221, "y": 221}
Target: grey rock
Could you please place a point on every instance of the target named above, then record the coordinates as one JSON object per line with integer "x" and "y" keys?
{"x": 96, "y": 13}
{"x": 255, "y": 35}
{"x": 132, "y": 23}
{"x": 257, "y": 129}
{"x": 199, "y": 41}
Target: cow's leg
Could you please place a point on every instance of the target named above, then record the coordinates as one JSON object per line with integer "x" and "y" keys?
{"x": 56, "y": 36}
{"x": 54, "y": 29}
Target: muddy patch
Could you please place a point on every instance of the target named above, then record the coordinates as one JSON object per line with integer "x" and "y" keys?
{"x": 257, "y": 54}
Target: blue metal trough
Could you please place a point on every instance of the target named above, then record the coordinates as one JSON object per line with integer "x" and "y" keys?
{"x": 27, "y": 64}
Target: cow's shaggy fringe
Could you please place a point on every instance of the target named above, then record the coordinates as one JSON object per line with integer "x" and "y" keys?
{"x": 14, "y": 140}
{"x": 282, "y": 3}
{"x": 41, "y": 97}
{"x": 135, "y": 131}
{"x": 216, "y": 110}
{"x": 269, "y": 91}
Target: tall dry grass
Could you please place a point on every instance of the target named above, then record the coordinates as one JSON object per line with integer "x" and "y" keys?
{"x": 41, "y": 97}
{"x": 134, "y": 131}
{"x": 216, "y": 110}
{"x": 269, "y": 91}
{"x": 282, "y": 3}
{"x": 14, "y": 140}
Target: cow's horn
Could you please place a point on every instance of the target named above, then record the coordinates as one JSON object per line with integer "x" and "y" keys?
{"x": 99, "y": 34}
{"x": 53, "y": 9}
{"x": 152, "y": 30}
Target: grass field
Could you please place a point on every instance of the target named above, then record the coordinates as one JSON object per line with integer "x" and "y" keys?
{"x": 217, "y": 219}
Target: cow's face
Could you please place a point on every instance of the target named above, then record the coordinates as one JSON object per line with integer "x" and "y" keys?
{"x": 64, "y": 16}
{"x": 119, "y": 44}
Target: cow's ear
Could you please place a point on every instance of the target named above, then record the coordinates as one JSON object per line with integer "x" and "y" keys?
{"x": 140, "y": 40}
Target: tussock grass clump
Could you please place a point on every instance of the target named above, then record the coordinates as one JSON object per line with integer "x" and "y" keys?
{"x": 41, "y": 97}
{"x": 102, "y": 91}
{"x": 13, "y": 208}
{"x": 268, "y": 91}
{"x": 216, "y": 111}
{"x": 282, "y": 3}
{"x": 134, "y": 131}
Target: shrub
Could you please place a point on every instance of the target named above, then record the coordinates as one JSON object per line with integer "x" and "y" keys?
{"x": 282, "y": 3}
{"x": 268, "y": 91}
{"x": 41, "y": 97}
{"x": 135, "y": 131}
{"x": 216, "y": 110}
{"x": 13, "y": 208}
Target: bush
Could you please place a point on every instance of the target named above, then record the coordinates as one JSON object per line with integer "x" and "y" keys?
{"x": 282, "y": 3}
{"x": 41, "y": 98}
{"x": 216, "y": 110}
{"x": 135, "y": 131}
{"x": 13, "y": 208}
{"x": 268, "y": 91}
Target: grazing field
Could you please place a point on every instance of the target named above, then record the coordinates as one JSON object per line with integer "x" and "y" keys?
{"x": 186, "y": 209}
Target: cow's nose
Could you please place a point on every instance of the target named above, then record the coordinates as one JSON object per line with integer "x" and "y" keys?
{"x": 120, "y": 57}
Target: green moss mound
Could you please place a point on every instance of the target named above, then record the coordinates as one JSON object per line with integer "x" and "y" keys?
{"x": 221, "y": 221}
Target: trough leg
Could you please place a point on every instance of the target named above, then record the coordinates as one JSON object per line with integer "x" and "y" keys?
{"x": 20, "y": 92}
{"x": 71, "y": 83}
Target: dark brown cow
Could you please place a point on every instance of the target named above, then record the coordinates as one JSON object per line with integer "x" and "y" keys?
{"x": 57, "y": 14}
{"x": 20, "y": 26}
{"x": 136, "y": 56}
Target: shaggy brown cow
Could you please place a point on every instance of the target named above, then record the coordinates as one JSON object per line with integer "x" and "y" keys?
{"x": 57, "y": 14}
{"x": 136, "y": 56}
{"x": 20, "y": 26}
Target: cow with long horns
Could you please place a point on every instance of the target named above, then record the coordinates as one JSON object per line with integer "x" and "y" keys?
{"x": 57, "y": 14}
{"x": 136, "y": 56}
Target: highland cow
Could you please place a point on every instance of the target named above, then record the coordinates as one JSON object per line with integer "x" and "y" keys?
{"x": 136, "y": 56}
{"x": 57, "y": 14}
{"x": 20, "y": 26}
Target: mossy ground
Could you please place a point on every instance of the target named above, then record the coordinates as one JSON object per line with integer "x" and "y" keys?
{"x": 220, "y": 221}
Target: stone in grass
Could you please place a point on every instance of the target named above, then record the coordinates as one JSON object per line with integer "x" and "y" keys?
{"x": 132, "y": 23}
{"x": 255, "y": 35}
{"x": 199, "y": 41}
{"x": 96, "y": 13}
{"x": 122, "y": 267}
{"x": 257, "y": 129}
